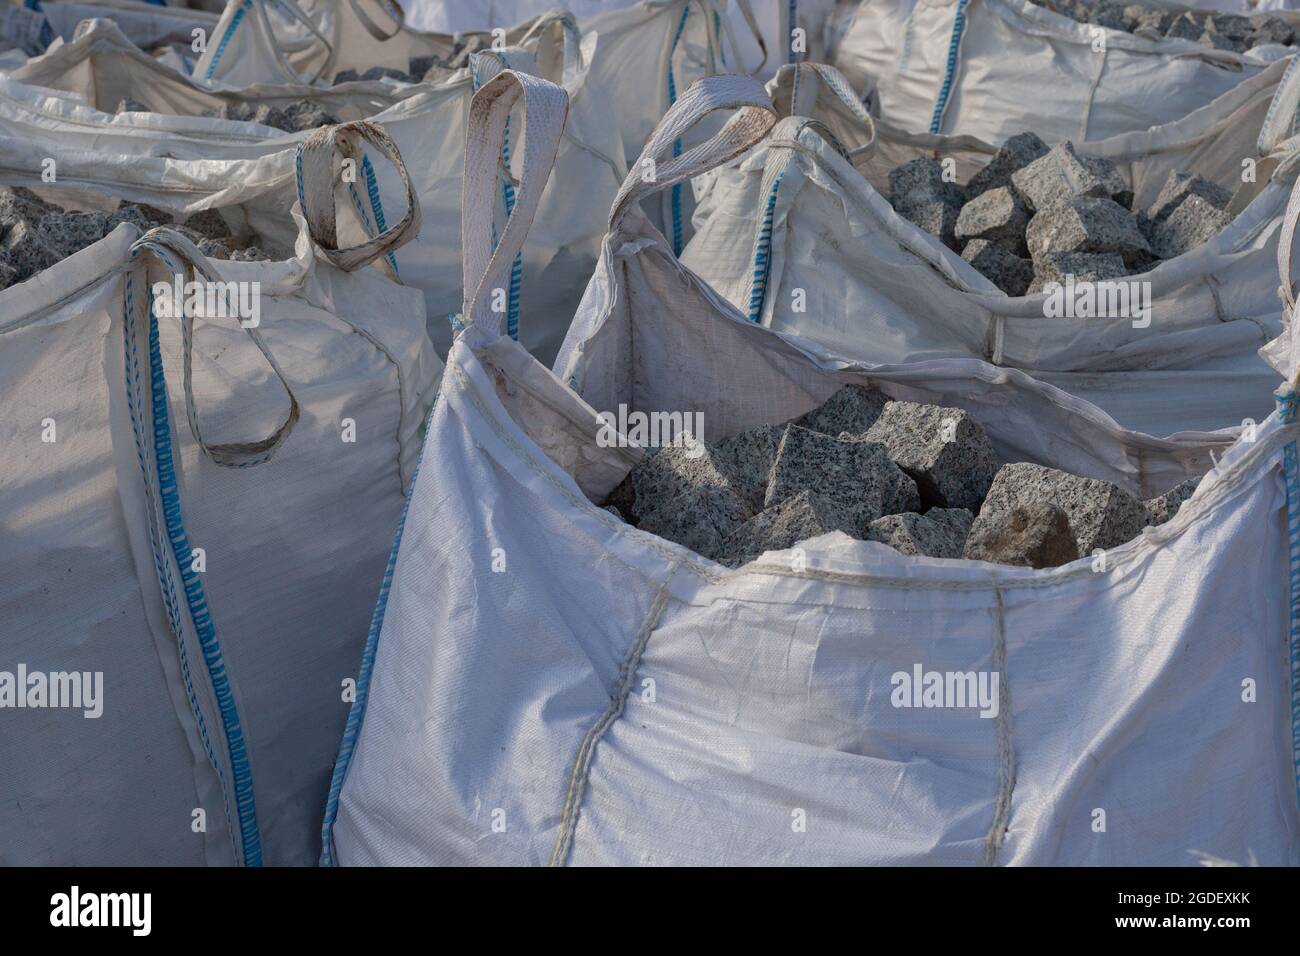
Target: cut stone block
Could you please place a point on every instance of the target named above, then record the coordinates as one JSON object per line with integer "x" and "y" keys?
{"x": 852, "y": 409}
{"x": 1016, "y": 153}
{"x": 257, "y": 113}
{"x": 997, "y": 215}
{"x": 688, "y": 500}
{"x": 1114, "y": 183}
{"x": 1006, "y": 270}
{"x": 1192, "y": 223}
{"x": 799, "y": 518}
{"x": 1230, "y": 25}
{"x": 747, "y": 459}
{"x": 1101, "y": 514}
{"x": 938, "y": 217}
{"x": 69, "y": 232}
{"x": 1184, "y": 27}
{"x": 8, "y": 275}
{"x": 208, "y": 224}
{"x": 855, "y": 476}
{"x": 1087, "y": 224}
{"x": 1113, "y": 16}
{"x": 1272, "y": 30}
{"x": 923, "y": 178}
{"x": 306, "y": 115}
{"x": 1164, "y": 507}
{"x": 1217, "y": 41}
{"x": 128, "y": 105}
{"x": 939, "y": 533}
{"x": 944, "y": 450}
{"x": 1084, "y": 266}
{"x": 1181, "y": 185}
{"x": 1150, "y": 24}
{"x": 1057, "y": 178}
{"x": 374, "y": 73}
{"x": 1033, "y": 535}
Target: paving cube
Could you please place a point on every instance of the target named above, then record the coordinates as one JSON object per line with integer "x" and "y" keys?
{"x": 798, "y": 518}
{"x": 1179, "y": 186}
{"x": 944, "y": 450}
{"x": 1034, "y": 535}
{"x": 306, "y": 115}
{"x": 262, "y": 113}
{"x": 25, "y": 251}
{"x": 852, "y": 409}
{"x": 1006, "y": 270}
{"x": 1087, "y": 225}
{"x": 247, "y": 254}
{"x": 747, "y": 459}
{"x": 1217, "y": 41}
{"x": 8, "y": 275}
{"x": 1083, "y": 266}
{"x": 1101, "y": 514}
{"x": 855, "y": 476}
{"x": 1193, "y": 222}
{"x": 1151, "y": 24}
{"x": 1184, "y": 27}
{"x": 1272, "y": 30}
{"x": 938, "y": 217}
{"x": 208, "y": 224}
{"x": 688, "y": 500}
{"x": 1114, "y": 183}
{"x": 939, "y": 533}
{"x": 1113, "y": 16}
{"x": 923, "y": 178}
{"x": 1230, "y": 25}
{"x": 1016, "y": 153}
{"x": 1164, "y": 507}
{"x": 997, "y": 215}
{"x": 1057, "y": 178}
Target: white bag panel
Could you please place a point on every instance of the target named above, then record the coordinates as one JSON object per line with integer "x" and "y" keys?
{"x": 147, "y": 24}
{"x": 901, "y": 49}
{"x": 282, "y": 616}
{"x": 877, "y": 289}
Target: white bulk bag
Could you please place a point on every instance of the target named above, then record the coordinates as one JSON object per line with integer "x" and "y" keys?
{"x": 994, "y": 68}
{"x": 799, "y": 240}
{"x": 223, "y": 676}
{"x": 637, "y": 704}
{"x": 184, "y": 164}
{"x": 147, "y": 24}
{"x": 102, "y": 67}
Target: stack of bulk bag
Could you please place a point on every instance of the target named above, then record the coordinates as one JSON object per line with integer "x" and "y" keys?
{"x": 967, "y": 66}
{"x": 800, "y": 239}
{"x": 185, "y": 164}
{"x": 200, "y": 512}
{"x": 103, "y": 68}
{"x": 666, "y": 710}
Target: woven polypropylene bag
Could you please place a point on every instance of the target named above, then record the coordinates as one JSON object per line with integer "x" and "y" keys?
{"x": 800, "y": 238}
{"x": 967, "y": 66}
{"x": 220, "y": 582}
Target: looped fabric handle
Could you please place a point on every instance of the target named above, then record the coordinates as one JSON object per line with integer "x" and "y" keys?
{"x": 725, "y": 91}
{"x": 1285, "y": 249}
{"x": 570, "y": 37}
{"x": 319, "y": 170}
{"x": 546, "y": 107}
{"x": 392, "y": 9}
{"x": 185, "y": 260}
{"x": 295, "y": 11}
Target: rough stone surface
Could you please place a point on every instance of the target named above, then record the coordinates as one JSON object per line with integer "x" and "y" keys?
{"x": 688, "y": 500}
{"x": 997, "y": 215}
{"x": 938, "y": 217}
{"x": 128, "y": 105}
{"x": 1230, "y": 25}
{"x": 939, "y": 533}
{"x": 1181, "y": 185}
{"x": 798, "y": 518}
{"x": 8, "y": 275}
{"x": 1016, "y": 153}
{"x": 1087, "y": 224}
{"x": 1113, "y": 16}
{"x": 208, "y": 224}
{"x": 1059, "y": 176}
{"x": 1085, "y": 267}
{"x": 1151, "y": 24}
{"x": 1006, "y": 270}
{"x": 1164, "y": 507}
{"x": 1192, "y": 223}
{"x": 1272, "y": 30}
{"x": 374, "y": 73}
{"x": 1217, "y": 41}
{"x": 69, "y": 232}
{"x": 944, "y": 450}
{"x": 1101, "y": 514}
{"x": 856, "y": 476}
{"x": 307, "y": 114}
{"x": 1184, "y": 27}
{"x": 923, "y": 177}
{"x": 1114, "y": 183}
{"x": 615, "y": 512}
{"x": 747, "y": 459}
{"x": 1035, "y": 535}
{"x": 852, "y": 409}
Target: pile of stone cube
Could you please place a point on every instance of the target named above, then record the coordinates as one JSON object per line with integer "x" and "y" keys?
{"x": 35, "y": 234}
{"x": 425, "y": 68}
{"x": 1036, "y": 214}
{"x": 296, "y": 117}
{"x": 922, "y": 479}
{"x": 1219, "y": 31}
